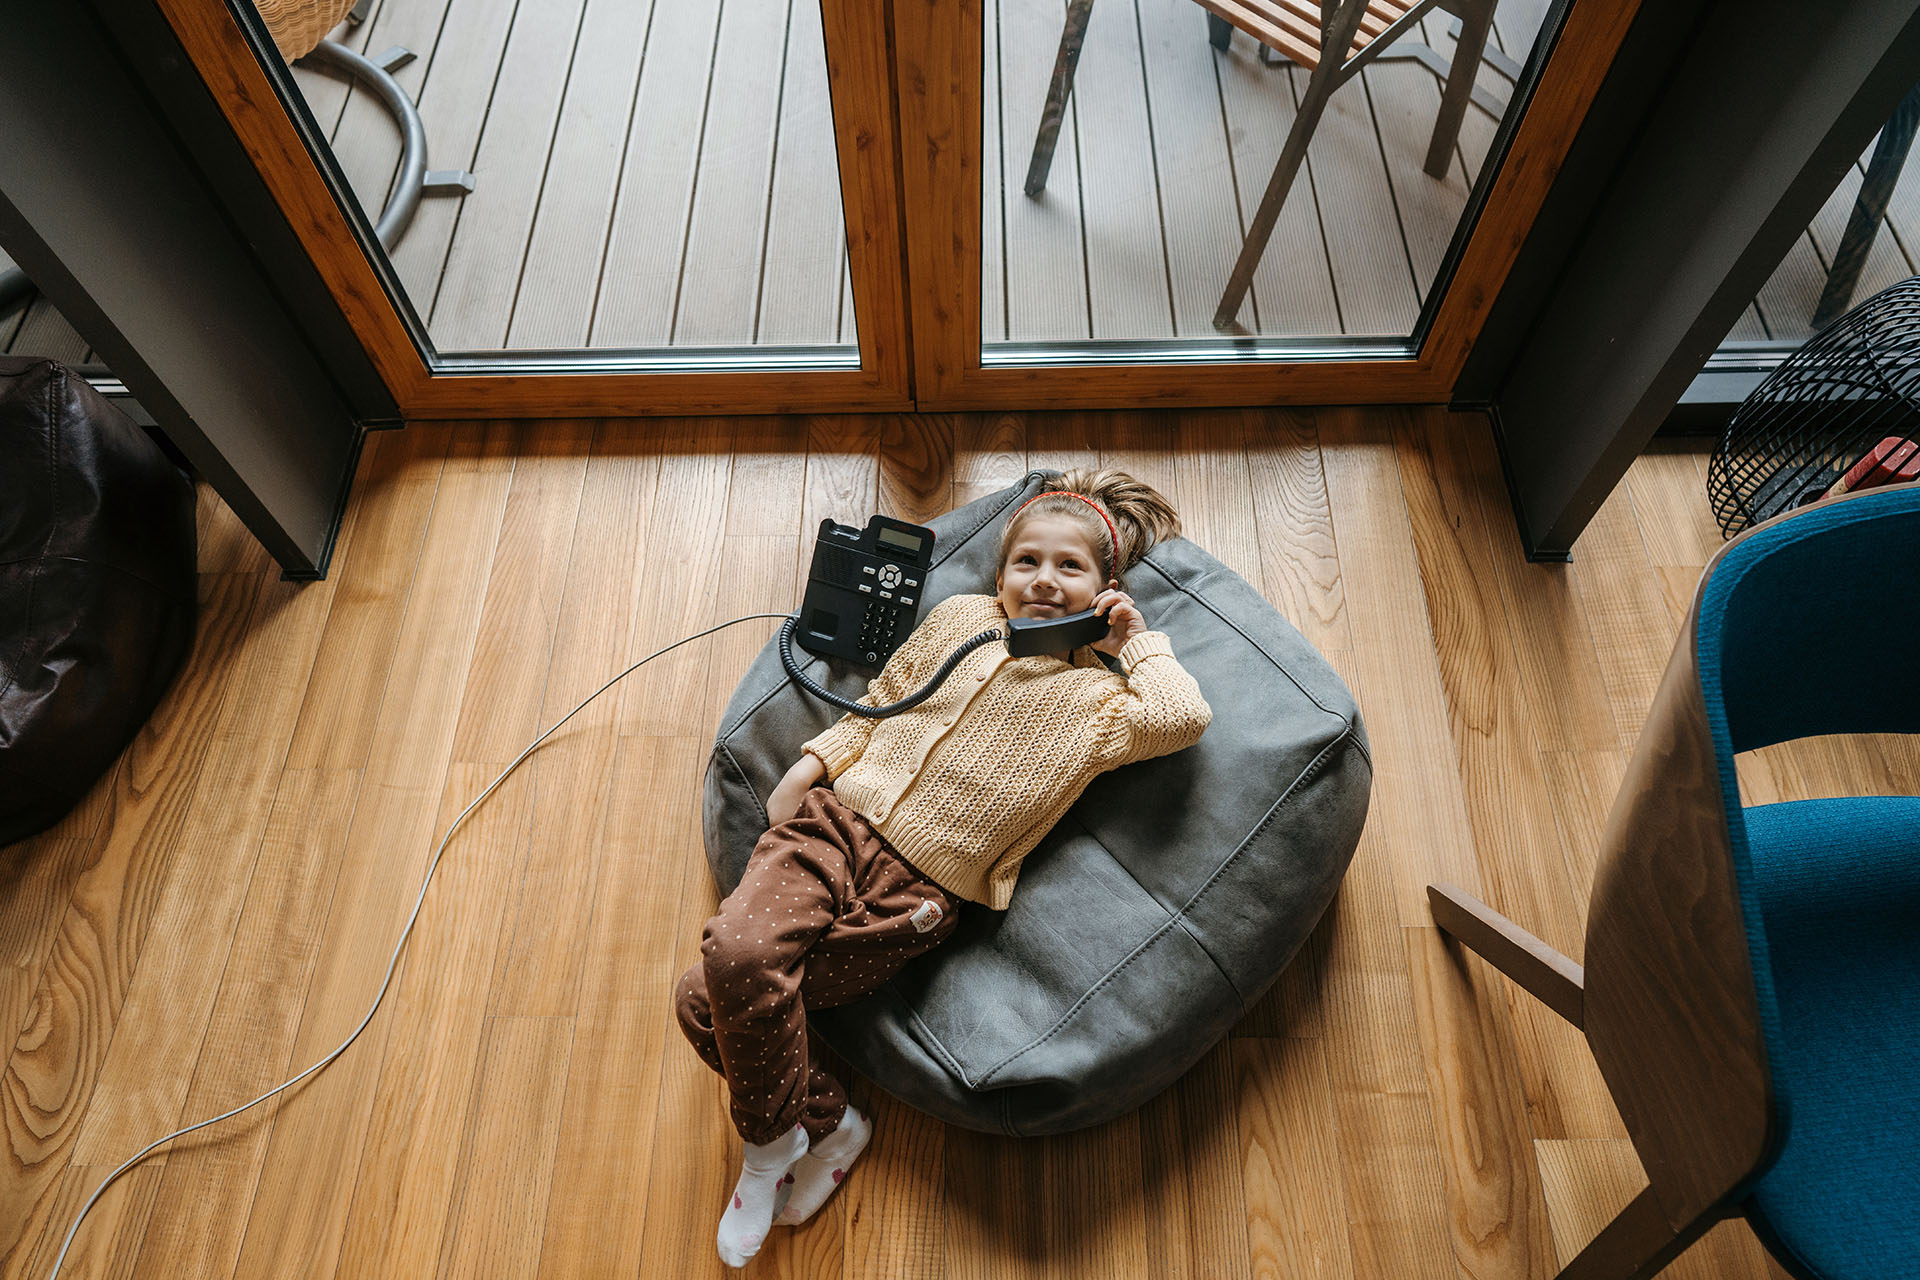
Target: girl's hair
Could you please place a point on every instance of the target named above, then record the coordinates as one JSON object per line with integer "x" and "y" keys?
{"x": 1141, "y": 516}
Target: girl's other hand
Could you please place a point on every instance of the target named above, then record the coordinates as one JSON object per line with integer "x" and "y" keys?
{"x": 1123, "y": 618}
{"x": 783, "y": 802}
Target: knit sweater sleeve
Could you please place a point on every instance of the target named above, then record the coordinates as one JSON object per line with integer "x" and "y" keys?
{"x": 846, "y": 739}
{"x": 1157, "y": 711}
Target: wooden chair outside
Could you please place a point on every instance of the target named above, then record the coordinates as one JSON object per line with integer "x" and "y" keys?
{"x": 1303, "y": 31}
{"x": 1741, "y": 958}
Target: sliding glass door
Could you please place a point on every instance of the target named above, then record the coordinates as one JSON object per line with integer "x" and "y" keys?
{"x": 633, "y": 206}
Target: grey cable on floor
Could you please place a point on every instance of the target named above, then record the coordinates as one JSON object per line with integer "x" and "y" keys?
{"x": 142, "y": 1154}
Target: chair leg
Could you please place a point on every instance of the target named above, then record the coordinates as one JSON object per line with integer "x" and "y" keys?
{"x": 1071, "y": 38}
{"x": 1219, "y": 32}
{"x": 1476, "y": 20}
{"x": 1260, "y": 230}
{"x": 1636, "y": 1245}
{"x": 1554, "y": 980}
{"x": 1883, "y": 171}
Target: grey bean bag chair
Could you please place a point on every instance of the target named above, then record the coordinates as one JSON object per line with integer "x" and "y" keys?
{"x": 1154, "y": 914}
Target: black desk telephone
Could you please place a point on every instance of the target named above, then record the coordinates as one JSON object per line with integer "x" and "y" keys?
{"x": 863, "y": 599}
{"x": 863, "y": 591}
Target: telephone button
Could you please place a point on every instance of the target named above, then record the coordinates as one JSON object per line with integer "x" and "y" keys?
{"x": 872, "y": 656}
{"x": 886, "y": 595}
{"x": 913, "y": 582}
{"x": 867, "y": 569}
{"x": 906, "y": 599}
{"x": 864, "y": 587}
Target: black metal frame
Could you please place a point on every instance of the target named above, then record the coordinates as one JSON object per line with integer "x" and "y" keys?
{"x": 165, "y": 251}
{"x": 1657, "y": 232}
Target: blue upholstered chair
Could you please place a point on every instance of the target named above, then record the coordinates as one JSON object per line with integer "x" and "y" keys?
{"x": 1752, "y": 982}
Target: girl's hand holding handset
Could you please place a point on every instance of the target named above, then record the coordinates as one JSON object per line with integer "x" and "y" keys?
{"x": 1123, "y": 618}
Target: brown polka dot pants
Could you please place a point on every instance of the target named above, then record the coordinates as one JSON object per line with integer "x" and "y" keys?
{"x": 825, "y": 913}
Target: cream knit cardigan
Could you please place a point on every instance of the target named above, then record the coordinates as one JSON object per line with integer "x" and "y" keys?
{"x": 966, "y": 783}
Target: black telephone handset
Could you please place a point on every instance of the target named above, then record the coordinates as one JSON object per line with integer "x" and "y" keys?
{"x": 1027, "y": 637}
{"x": 863, "y": 589}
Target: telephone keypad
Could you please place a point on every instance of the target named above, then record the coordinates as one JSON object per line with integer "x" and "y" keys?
{"x": 879, "y": 625}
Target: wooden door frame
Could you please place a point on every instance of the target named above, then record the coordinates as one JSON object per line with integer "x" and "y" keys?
{"x": 918, "y": 72}
{"x": 228, "y": 51}
{"x": 938, "y": 48}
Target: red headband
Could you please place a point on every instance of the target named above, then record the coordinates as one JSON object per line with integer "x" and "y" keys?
{"x": 1090, "y": 502}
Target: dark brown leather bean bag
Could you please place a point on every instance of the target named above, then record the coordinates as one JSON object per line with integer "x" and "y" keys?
{"x": 97, "y": 588}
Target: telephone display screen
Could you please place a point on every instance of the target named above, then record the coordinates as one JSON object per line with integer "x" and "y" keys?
{"x": 905, "y": 541}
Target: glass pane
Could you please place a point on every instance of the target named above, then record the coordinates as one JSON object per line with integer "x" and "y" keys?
{"x": 644, "y": 175}
{"x": 1880, "y": 252}
{"x": 30, "y": 326}
{"x": 1167, "y": 143}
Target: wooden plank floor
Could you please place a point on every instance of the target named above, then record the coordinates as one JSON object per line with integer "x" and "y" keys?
{"x": 219, "y": 911}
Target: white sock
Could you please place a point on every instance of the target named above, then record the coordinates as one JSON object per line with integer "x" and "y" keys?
{"x": 743, "y": 1227}
{"x": 819, "y": 1172}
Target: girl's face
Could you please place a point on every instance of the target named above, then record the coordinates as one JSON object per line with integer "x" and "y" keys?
{"x": 1050, "y": 570}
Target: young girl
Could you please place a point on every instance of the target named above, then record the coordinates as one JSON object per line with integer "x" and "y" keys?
{"x": 926, "y": 809}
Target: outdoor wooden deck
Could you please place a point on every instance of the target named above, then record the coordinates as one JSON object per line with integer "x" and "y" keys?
{"x": 664, "y": 176}
{"x": 653, "y": 176}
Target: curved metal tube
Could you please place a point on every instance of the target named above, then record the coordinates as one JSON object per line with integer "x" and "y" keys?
{"x": 413, "y": 135}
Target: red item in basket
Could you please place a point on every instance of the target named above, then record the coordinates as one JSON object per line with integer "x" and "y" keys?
{"x": 1893, "y": 460}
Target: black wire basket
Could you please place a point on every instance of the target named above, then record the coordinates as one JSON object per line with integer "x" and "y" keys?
{"x": 1853, "y": 385}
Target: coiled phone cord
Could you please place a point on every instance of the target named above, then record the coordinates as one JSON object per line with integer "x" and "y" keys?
{"x": 387, "y": 981}
{"x": 892, "y": 708}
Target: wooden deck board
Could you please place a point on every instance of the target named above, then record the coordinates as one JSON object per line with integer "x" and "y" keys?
{"x": 1885, "y": 264}
{"x": 474, "y": 296}
{"x": 806, "y": 238}
{"x": 366, "y": 142}
{"x": 1120, "y": 199}
{"x": 993, "y": 218}
{"x": 560, "y": 279}
{"x": 648, "y": 231}
{"x": 1046, "y": 277}
{"x": 1371, "y": 270}
{"x": 726, "y": 229}
{"x": 456, "y": 106}
{"x": 1197, "y": 179}
{"x": 1405, "y": 97}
